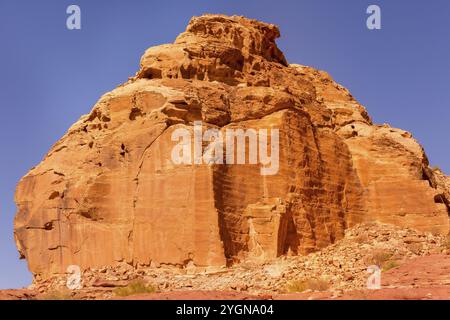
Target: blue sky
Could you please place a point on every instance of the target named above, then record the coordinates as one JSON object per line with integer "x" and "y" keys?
{"x": 50, "y": 76}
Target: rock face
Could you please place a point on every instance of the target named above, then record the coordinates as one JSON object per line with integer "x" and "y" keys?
{"x": 108, "y": 191}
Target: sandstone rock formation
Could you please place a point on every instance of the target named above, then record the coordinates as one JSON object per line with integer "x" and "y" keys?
{"x": 410, "y": 260}
{"x": 108, "y": 192}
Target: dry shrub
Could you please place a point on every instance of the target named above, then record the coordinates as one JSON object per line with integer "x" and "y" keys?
{"x": 135, "y": 287}
{"x": 310, "y": 284}
{"x": 62, "y": 294}
{"x": 383, "y": 259}
{"x": 379, "y": 257}
{"x": 391, "y": 264}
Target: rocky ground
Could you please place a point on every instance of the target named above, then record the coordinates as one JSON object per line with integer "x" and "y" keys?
{"x": 414, "y": 266}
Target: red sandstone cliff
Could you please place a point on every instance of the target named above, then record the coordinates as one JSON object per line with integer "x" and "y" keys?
{"x": 108, "y": 192}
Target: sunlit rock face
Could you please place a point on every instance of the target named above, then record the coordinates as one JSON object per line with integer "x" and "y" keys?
{"x": 108, "y": 191}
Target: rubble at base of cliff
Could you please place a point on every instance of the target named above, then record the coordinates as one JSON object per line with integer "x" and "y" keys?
{"x": 341, "y": 267}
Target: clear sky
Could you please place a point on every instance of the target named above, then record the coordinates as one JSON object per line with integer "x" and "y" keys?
{"x": 50, "y": 76}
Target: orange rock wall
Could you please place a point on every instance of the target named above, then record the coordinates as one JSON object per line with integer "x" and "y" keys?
{"x": 108, "y": 192}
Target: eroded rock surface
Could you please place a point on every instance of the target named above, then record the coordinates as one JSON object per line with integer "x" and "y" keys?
{"x": 108, "y": 193}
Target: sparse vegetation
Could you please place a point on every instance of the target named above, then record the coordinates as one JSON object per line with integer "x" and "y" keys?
{"x": 133, "y": 288}
{"x": 388, "y": 265}
{"x": 380, "y": 257}
{"x": 383, "y": 259}
{"x": 436, "y": 168}
{"x": 63, "y": 294}
{"x": 310, "y": 284}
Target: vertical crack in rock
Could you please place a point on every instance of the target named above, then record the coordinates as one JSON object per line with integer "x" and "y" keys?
{"x": 135, "y": 196}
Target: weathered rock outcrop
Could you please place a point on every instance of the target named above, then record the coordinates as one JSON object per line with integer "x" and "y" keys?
{"x": 108, "y": 191}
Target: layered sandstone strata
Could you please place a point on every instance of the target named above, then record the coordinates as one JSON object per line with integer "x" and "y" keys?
{"x": 108, "y": 191}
